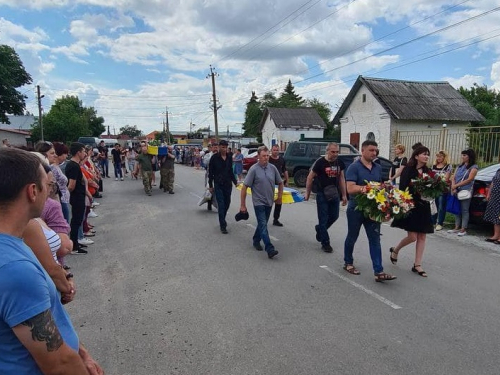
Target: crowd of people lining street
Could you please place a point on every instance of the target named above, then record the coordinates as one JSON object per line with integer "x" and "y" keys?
{"x": 47, "y": 199}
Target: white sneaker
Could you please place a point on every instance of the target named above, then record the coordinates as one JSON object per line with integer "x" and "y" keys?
{"x": 85, "y": 241}
{"x": 92, "y": 214}
{"x": 116, "y": 179}
{"x": 95, "y": 204}
{"x": 461, "y": 234}
{"x": 438, "y": 227}
{"x": 452, "y": 231}
{"x": 121, "y": 179}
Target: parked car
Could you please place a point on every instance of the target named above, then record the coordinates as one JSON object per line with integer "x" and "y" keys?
{"x": 299, "y": 157}
{"x": 480, "y": 189}
{"x": 251, "y": 159}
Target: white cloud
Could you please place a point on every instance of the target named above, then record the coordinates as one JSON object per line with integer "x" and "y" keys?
{"x": 465, "y": 81}
{"x": 495, "y": 75}
{"x": 46, "y": 68}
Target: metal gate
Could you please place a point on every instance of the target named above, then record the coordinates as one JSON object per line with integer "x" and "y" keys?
{"x": 485, "y": 141}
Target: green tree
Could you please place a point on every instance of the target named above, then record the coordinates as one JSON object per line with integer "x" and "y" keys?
{"x": 95, "y": 123}
{"x": 253, "y": 115}
{"x": 486, "y": 101}
{"x": 289, "y": 99}
{"x": 67, "y": 120}
{"x": 12, "y": 76}
{"x": 325, "y": 113}
{"x": 131, "y": 131}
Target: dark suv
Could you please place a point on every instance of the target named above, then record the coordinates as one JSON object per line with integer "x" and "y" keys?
{"x": 299, "y": 157}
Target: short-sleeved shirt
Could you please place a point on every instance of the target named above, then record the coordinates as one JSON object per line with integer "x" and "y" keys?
{"x": 358, "y": 173}
{"x": 117, "y": 155}
{"x": 328, "y": 172}
{"x": 262, "y": 181}
{"x": 73, "y": 172}
{"x": 398, "y": 162}
{"x": 279, "y": 163}
{"x": 144, "y": 161}
{"x": 26, "y": 290}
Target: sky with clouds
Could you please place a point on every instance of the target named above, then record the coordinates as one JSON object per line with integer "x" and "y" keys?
{"x": 133, "y": 60}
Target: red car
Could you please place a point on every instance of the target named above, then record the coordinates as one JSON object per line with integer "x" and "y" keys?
{"x": 249, "y": 160}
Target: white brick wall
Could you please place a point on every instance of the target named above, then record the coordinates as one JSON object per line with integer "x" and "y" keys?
{"x": 270, "y": 132}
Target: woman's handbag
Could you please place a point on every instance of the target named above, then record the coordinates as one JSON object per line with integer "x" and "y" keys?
{"x": 453, "y": 205}
{"x": 464, "y": 194}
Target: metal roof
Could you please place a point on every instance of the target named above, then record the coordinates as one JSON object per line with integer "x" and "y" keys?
{"x": 299, "y": 118}
{"x": 409, "y": 100}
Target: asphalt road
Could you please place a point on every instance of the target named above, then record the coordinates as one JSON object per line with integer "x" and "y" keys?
{"x": 164, "y": 292}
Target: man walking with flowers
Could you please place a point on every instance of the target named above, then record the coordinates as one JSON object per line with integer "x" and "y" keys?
{"x": 358, "y": 174}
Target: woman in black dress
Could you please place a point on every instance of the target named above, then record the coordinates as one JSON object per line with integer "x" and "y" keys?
{"x": 418, "y": 222}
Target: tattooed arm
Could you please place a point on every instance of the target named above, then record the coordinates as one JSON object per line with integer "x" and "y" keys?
{"x": 42, "y": 339}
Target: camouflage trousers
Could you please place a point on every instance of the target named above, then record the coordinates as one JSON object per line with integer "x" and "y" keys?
{"x": 147, "y": 176}
{"x": 167, "y": 179}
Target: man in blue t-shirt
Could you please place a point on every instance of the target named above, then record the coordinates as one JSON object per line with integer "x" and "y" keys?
{"x": 36, "y": 334}
{"x": 360, "y": 171}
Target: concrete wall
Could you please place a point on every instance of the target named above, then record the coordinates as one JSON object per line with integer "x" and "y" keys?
{"x": 364, "y": 117}
{"x": 14, "y": 138}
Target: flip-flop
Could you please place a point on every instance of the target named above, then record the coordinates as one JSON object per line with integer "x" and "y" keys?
{"x": 491, "y": 239}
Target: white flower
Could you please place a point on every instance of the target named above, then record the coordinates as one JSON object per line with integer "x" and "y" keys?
{"x": 370, "y": 195}
{"x": 395, "y": 210}
{"x": 380, "y": 206}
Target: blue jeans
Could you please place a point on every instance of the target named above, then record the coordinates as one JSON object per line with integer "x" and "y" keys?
{"x": 105, "y": 167}
{"x": 118, "y": 170}
{"x": 328, "y": 213}
{"x": 262, "y": 213}
{"x": 66, "y": 211}
{"x": 223, "y": 196}
{"x": 441, "y": 208}
{"x": 354, "y": 221}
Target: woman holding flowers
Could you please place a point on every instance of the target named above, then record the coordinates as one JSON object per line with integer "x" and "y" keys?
{"x": 441, "y": 167}
{"x": 418, "y": 222}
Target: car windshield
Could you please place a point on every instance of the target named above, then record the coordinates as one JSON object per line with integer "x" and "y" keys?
{"x": 252, "y": 155}
{"x": 487, "y": 174}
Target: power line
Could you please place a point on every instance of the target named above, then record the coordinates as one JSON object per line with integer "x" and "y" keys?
{"x": 269, "y": 29}
{"x": 307, "y": 28}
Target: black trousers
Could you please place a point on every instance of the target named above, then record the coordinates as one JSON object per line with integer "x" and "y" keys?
{"x": 277, "y": 211}
{"x": 77, "y": 212}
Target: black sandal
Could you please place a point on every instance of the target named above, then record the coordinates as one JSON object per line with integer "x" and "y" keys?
{"x": 421, "y": 273}
{"x": 393, "y": 260}
{"x": 382, "y": 276}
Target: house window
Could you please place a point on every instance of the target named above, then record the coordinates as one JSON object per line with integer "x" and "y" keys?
{"x": 364, "y": 98}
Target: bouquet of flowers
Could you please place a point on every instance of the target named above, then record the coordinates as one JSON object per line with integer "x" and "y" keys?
{"x": 382, "y": 202}
{"x": 430, "y": 185}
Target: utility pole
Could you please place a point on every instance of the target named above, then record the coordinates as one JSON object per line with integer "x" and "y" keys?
{"x": 214, "y": 99}
{"x": 39, "y": 97}
{"x": 168, "y": 127}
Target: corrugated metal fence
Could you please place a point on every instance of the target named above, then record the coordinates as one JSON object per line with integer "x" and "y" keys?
{"x": 484, "y": 140}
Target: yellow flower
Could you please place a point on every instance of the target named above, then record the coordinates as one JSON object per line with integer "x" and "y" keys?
{"x": 405, "y": 194}
{"x": 380, "y": 198}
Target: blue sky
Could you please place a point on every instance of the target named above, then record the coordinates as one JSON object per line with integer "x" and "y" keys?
{"x": 133, "y": 59}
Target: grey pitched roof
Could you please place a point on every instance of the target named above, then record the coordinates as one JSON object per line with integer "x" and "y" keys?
{"x": 19, "y": 122}
{"x": 408, "y": 100}
{"x": 299, "y": 118}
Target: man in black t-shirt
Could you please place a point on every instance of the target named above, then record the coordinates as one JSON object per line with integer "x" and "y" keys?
{"x": 279, "y": 162}
{"x": 77, "y": 190}
{"x": 117, "y": 161}
{"x": 103, "y": 158}
{"x": 329, "y": 173}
